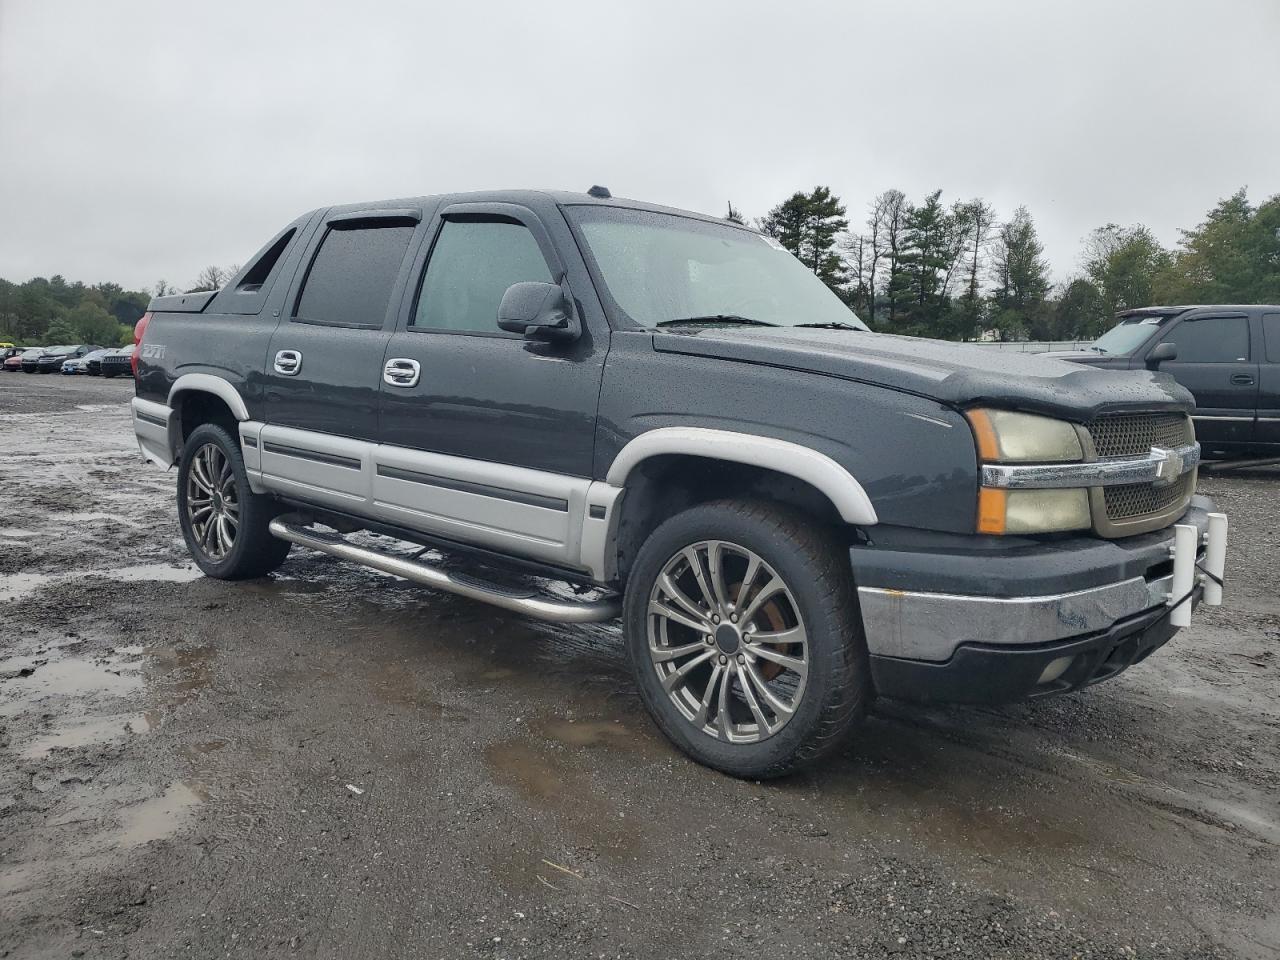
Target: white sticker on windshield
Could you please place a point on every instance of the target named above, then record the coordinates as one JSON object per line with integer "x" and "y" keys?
{"x": 1151, "y": 321}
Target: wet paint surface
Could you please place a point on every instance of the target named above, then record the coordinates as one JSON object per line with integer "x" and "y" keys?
{"x": 334, "y": 763}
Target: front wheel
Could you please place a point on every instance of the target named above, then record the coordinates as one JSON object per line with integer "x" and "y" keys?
{"x": 744, "y": 637}
{"x": 223, "y": 521}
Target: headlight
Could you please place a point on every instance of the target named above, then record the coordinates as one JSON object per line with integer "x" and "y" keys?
{"x": 1006, "y": 437}
{"x": 1033, "y": 511}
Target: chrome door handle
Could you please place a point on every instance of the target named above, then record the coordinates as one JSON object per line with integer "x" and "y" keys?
{"x": 288, "y": 362}
{"x": 401, "y": 372}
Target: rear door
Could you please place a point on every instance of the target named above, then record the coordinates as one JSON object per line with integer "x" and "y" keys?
{"x": 491, "y": 439}
{"x": 1216, "y": 364}
{"x": 1268, "y": 429}
{"x": 324, "y": 363}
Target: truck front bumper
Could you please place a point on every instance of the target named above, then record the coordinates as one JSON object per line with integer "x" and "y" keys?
{"x": 989, "y": 632}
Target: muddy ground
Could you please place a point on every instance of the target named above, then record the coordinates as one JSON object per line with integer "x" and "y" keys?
{"x": 332, "y": 763}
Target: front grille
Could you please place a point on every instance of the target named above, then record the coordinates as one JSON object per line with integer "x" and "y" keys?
{"x": 1123, "y": 509}
{"x": 1132, "y": 500}
{"x": 1133, "y": 434}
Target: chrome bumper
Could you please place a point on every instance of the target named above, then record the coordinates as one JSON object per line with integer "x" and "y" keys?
{"x": 929, "y": 626}
{"x": 917, "y": 625}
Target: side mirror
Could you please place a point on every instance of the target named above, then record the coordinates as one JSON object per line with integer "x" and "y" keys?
{"x": 1160, "y": 353}
{"x": 541, "y": 311}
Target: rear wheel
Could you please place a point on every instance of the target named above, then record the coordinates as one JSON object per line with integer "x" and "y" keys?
{"x": 223, "y": 521}
{"x": 744, "y": 637}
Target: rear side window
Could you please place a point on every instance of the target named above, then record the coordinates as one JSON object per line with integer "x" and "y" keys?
{"x": 471, "y": 266}
{"x": 257, "y": 274}
{"x": 1271, "y": 334}
{"x": 1211, "y": 340}
{"x": 352, "y": 276}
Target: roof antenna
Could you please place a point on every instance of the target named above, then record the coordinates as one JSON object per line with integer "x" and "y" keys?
{"x": 599, "y": 191}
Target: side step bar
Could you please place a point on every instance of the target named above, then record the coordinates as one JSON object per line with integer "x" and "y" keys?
{"x": 528, "y": 603}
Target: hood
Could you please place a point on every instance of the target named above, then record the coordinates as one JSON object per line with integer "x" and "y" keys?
{"x": 956, "y": 374}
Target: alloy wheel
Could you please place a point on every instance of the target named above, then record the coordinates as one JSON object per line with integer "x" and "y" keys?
{"x": 727, "y": 640}
{"x": 213, "y": 502}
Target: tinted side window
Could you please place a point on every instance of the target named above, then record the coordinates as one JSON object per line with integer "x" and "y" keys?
{"x": 352, "y": 275}
{"x": 1211, "y": 340}
{"x": 1271, "y": 334}
{"x": 471, "y": 266}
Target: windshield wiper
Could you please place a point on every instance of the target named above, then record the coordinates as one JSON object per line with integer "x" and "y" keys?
{"x": 830, "y": 325}
{"x": 714, "y": 318}
{"x": 1097, "y": 349}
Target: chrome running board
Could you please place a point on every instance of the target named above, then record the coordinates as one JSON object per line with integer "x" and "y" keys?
{"x": 528, "y": 602}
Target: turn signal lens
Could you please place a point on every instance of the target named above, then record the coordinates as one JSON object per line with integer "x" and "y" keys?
{"x": 1003, "y": 436}
{"x": 1032, "y": 511}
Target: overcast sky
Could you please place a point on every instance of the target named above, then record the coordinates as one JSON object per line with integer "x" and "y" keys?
{"x": 146, "y": 140}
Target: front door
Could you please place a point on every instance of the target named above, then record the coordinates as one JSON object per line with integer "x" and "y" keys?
{"x": 1214, "y": 362}
{"x": 324, "y": 363}
{"x": 488, "y": 437}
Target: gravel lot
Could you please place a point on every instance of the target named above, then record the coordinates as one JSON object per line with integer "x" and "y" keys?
{"x": 332, "y": 763}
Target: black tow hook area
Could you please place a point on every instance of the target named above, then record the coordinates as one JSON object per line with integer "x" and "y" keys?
{"x": 986, "y": 673}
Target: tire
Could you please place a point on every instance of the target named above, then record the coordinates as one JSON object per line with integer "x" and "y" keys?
{"x": 822, "y": 680}
{"x": 226, "y": 532}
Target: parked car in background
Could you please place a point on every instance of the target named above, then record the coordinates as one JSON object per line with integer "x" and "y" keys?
{"x": 32, "y": 357}
{"x": 81, "y": 364}
{"x": 54, "y": 357}
{"x": 13, "y": 362}
{"x": 117, "y": 363}
{"x": 1228, "y": 356}
{"x": 93, "y": 362}
{"x": 8, "y": 353}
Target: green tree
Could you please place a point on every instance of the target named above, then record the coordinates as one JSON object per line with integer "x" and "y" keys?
{"x": 92, "y": 324}
{"x": 1233, "y": 257}
{"x": 1124, "y": 265}
{"x": 1021, "y": 276}
{"x": 808, "y": 224}
{"x": 1076, "y": 312}
{"x": 733, "y": 216}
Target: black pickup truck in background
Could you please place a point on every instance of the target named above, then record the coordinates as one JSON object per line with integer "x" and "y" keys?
{"x": 1227, "y": 356}
{"x": 791, "y": 514}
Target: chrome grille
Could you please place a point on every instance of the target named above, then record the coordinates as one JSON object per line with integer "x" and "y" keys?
{"x": 1133, "y": 434}
{"x": 1122, "y": 509}
{"x": 1131, "y": 500}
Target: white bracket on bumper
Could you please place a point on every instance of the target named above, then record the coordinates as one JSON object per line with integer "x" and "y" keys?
{"x": 1186, "y": 547}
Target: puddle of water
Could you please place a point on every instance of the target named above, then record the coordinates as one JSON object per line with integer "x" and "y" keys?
{"x": 15, "y": 586}
{"x": 180, "y": 672}
{"x": 570, "y": 795}
{"x": 588, "y": 733}
{"x": 158, "y": 817}
{"x": 99, "y": 730}
{"x": 52, "y": 675}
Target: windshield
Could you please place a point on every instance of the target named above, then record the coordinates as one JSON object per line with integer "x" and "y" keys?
{"x": 662, "y": 268}
{"x": 1127, "y": 335}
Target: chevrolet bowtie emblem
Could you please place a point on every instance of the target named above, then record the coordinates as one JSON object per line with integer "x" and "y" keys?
{"x": 1168, "y": 466}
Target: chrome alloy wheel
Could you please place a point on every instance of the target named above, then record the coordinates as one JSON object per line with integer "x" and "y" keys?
{"x": 727, "y": 641}
{"x": 213, "y": 502}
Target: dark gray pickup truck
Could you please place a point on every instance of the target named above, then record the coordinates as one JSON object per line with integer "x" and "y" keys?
{"x": 668, "y": 412}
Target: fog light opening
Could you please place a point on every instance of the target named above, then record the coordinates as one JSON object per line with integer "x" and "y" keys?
{"x": 1054, "y": 669}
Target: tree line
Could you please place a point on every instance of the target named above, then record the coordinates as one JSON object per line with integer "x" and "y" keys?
{"x": 959, "y": 271}
{"x": 54, "y": 311}
{"x": 956, "y": 271}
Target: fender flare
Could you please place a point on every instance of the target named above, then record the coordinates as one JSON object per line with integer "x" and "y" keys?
{"x": 208, "y": 383}
{"x": 783, "y": 456}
